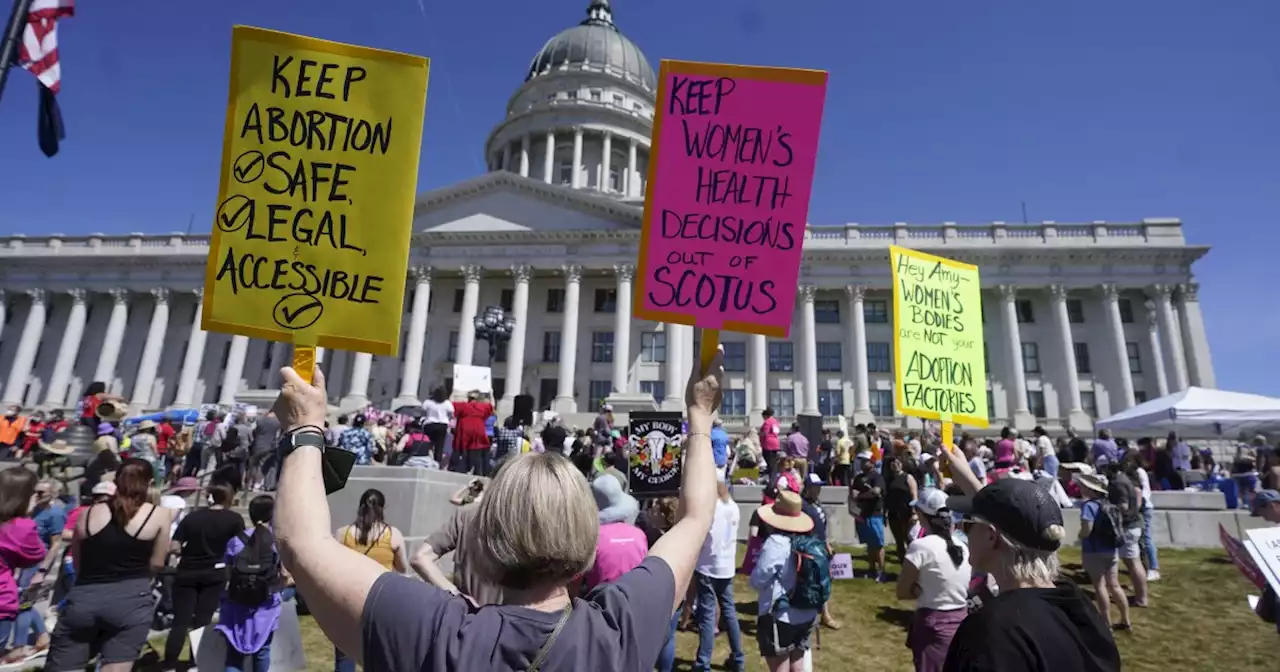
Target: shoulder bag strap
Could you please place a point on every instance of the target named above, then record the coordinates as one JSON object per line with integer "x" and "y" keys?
{"x": 539, "y": 659}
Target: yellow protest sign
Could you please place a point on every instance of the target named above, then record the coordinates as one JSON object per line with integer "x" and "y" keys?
{"x": 315, "y": 201}
{"x": 937, "y": 324}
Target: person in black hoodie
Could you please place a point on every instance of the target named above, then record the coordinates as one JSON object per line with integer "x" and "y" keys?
{"x": 1034, "y": 624}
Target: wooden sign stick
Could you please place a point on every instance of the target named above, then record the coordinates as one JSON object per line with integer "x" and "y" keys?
{"x": 710, "y": 344}
{"x": 304, "y": 358}
{"x": 948, "y": 432}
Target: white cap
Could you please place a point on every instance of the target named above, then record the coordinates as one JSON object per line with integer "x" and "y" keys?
{"x": 931, "y": 501}
{"x": 814, "y": 479}
{"x": 105, "y": 488}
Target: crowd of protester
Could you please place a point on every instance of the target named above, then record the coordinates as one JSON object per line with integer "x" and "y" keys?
{"x": 556, "y": 565}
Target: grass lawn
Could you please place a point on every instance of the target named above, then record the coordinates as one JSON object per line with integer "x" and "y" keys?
{"x": 1198, "y": 621}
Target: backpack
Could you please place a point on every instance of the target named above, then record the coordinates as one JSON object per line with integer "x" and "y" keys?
{"x": 1108, "y": 528}
{"x": 230, "y": 440}
{"x": 813, "y": 573}
{"x": 255, "y": 575}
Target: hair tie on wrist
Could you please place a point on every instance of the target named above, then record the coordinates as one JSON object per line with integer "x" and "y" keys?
{"x": 302, "y": 428}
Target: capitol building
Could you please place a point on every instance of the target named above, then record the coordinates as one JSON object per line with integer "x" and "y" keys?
{"x": 1081, "y": 319}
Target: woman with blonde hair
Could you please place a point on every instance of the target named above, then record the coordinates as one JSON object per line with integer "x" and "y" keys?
{"x": 535, "y": 531}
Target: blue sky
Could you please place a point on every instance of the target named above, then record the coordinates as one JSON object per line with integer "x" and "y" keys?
{"x": 937, "y": 111}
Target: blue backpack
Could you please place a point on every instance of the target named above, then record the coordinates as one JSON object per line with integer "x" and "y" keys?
{"x": 813, "y": 573}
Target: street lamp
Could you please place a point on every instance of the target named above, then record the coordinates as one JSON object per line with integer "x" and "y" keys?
{"x": 495, "y": 328}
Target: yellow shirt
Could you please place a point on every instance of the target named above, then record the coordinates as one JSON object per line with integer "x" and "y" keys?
{"x": 378, "y": 548}
{"x": 843, "y": 448}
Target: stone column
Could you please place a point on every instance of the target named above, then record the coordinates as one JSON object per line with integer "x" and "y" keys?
{"x": 808, "y": 350}
{"x": 1171, "y": 337}
{"x": 194, "y": 358}
{"x": 281, "y": 355}
{"x": 68, "y": 350}
{"x": 622, "y": 328}
{"x": 576, "y": 182}
{"x": 234, "y": 370}
{"x": 523, "y": 274}
{"x": 758, "y": 372}
{"x": 549, "y": 159}
{"x": 506, "y": 156}
{"x": 674, "y": 400}
{"x": 524, "y": 157}
{"x": 1194, "y": 338}
{"x": 411, "y": 375}
{"x": 1075, "y": 413}
{"x": 565, "y": 401}
{"x": 470, "y": 306}
{"x": 358, "y": 386}
{"x": 1111, "y": 301}
{"x": 4, "y": 309}
{"x": 861, "y": 376}
{"x": 633, "y": 180}
{"x": 28, "y": 345}
{"x": 1022, "y": 418}
{"x": 1153, "y": 337}
{"x": 151, "y": 350}
{"x": 606, "y": 163}
{"x": 114, "y": 338}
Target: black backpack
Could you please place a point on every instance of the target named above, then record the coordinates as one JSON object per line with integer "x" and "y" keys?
{"x": 1108, "y": 528}
{"x": 231, "y": 440}
{"x": 255, "y": 574}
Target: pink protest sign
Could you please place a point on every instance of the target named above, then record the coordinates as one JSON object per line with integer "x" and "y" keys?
{"x": 730, "y": 171}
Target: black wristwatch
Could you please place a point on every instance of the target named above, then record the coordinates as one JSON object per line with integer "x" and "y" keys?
{"x": 306, "y": 436}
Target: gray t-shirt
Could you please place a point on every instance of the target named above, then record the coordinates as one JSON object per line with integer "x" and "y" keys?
{"x": 410, "y": 626}
{"x": 266, "y": 431}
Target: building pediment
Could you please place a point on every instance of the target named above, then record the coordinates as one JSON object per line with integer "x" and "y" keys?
{"x": 503, "y": 202}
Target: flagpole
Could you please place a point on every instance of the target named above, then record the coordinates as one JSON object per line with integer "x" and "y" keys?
{"x": 12, "y": 36}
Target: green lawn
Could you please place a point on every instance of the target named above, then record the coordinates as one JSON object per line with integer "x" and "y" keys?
{"x": 1198, "y": 621}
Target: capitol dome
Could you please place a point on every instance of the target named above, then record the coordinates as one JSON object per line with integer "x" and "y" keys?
{"x": 583, "y": 116}
{"x": 595, "y": 44}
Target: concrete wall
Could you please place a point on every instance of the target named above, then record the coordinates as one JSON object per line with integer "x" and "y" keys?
{"x": 418, "y": 504}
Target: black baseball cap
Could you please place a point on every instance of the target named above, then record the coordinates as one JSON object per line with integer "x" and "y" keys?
{"x": 1021, "y": 510}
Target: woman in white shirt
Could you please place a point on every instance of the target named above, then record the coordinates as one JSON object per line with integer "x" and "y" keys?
{"x": 713, "y": 580}
{"x": 437, "y": 412}
{"x": 935, "y": 573}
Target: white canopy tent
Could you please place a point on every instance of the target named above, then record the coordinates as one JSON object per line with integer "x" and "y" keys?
{"x": 1197, "y": 410}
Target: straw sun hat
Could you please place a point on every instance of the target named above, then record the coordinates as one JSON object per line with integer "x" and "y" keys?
{"x": 786, "y": 514}
{"x": 1094, "y": 482}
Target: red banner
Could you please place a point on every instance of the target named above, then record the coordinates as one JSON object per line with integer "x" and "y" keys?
{"x": 1240, "y": 557}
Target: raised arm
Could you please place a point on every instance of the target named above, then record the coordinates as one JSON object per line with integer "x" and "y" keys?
{"x": 961, "y": 474}
{"x": 680, "y": 546}
{"x": 333, "y": 579}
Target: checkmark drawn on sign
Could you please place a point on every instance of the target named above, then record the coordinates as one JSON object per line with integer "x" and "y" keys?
{"x": 297, "y": 311}
{"x": 248, "y": 167}
{"x": 234, "y": 213}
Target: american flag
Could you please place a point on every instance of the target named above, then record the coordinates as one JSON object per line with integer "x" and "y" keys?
{"x": 38, "y": 53}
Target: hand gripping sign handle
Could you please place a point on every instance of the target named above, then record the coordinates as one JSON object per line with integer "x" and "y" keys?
{"x": 710, "y": 345}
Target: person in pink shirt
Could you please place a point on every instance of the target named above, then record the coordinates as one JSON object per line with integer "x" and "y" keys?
{"x": 20, "y": 545}
{"x": 621, "y": 546}
{"x": 1006, "y": 451}
{"x": 770, "y": 441}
